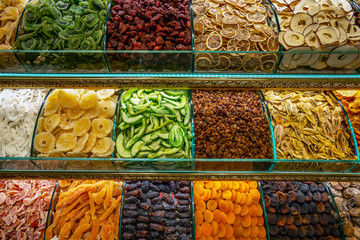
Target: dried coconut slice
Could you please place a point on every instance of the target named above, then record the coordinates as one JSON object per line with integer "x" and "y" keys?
{"x": 44, "y": 142}
{"x": 66, "y": 142}
{"x": 214, "y": 42}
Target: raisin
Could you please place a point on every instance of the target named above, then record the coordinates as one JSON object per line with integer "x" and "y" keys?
{"x": 128, "y": 221}
{"x": 157, "y": 227}
{"x": 130, "y": 214}
{"x": 157, "y": 219}
{"x": 130, "y": 207}
{"x": 143, "y": 219}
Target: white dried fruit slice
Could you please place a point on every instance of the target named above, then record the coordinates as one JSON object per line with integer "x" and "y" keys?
{"x": 44, "y": 142}
{"x": 89, "y": 100}
{"x": 90, "y": 143}
{"x": 311, "y": 28}
{"x": 312, "y": 40}
{"x": 354, "y": 33}
{"x": 75, "y": 112}
{"x": 282, "y": 41}
{"x": 300, "y": 21}
{"x": 106, "y": 108}
{"x": 66, "y": 142}
{"x": 51, "y": 122}
{"x": 102, "y": 127}
{"x": 105, "y": 93}
{"x": 102, "y": 146}
{"x": 293, "y": 39}
{"x": 327, "y": 36}
{"x": 320, "y": 18}
{"x": 41, "y": 124}
{"x": 92, "y": 112}
{"x": 81, "y": 143}
{"x": 69, "y": 98}
{"x": 65, "y": 122}
{"x": 82, "y": 126}
{"x": 257, "y": 37}
{"x": 339, "y": 60}
{"x": 340, "y": 23}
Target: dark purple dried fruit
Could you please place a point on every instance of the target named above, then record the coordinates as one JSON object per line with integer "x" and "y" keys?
{"x": 298, "y": 220}
{"x": 292, "y": 196}
{"x": 184, "y": 215}
{"x": 130, "y": 187}
{"x": 127, "y": 236}
{"x": 173, "y": 187}
{"x": 304, "y": 188}
{"x": 185, "y": 189}
{"x": 274, "y": 230}
{"x": 156, "y": 227}
{"x": 284, "y": 230}
{"x": 184, "y": 183}
{"x": 274, "y": 200}
{"x": 183, "y": 237}
{"x": 308, "y": 197}
{"x": 170, "y": 222}
{"x": 145, "y": 186}
{"x": 320, "y": 208}
{"x": 144, "y": 206}
{"x": 271, "y": 209}
{"x": 129, "y": 228}
{"x": 324, "y": 197}
{"x": 183, "y": 208}
{"x": 171, "y": 237}
{"x": 281, "y": 220}
{"x": 152, "y": 195}
{"x": 130, "y": 207}
{"x": 131, "y": 200}
{"x": 313, "y": 187}
{"x": 155, "y": 235}
{"x": 319, "y": 231}
{"x": 306, "y": 219}
{"x": 301, "y": 232}
{"x": 314, "y": 219}
{"x": 321, "y": 187}
{"x": 143, "y": 219}
{"x": 335, "y": 232}
{"x": 282, "y": 197}
{"x": 167, "y": 198}
{"x": 317, "y": 196}
{"x": 292, "y": 231}
{"x": 289, "y": 219}
{"x": 128, "y": 221}
{"x": 156, "y": 219}
{"x": 170, "y": 215}
{"x": 304, "y": 208}
{"x": 332, "y": 219}
{"x": 295, "y": 209}
{"x": 282, "y": 208}
{"x": 184, "y": 230}
{"x": 142, "y": 196}
{"x": 132, "y": 193}
{"x": 312, "y": 207}
{"x": 169, "y": 230}
{"x": 267, "y": 201}
{"x": 130, "y": 214}
{"x": 184, "y": 222}
{"x": 165, "y": 188}
{"x": 156, "y": 200}
{"x": 142, "y": 226}
{"x": 327, "y": 230}
{"x": 309, "y": 231}
{"x": 154, "y": 187}
{"x": 157, "y": 207}
{"x": 182, "y": 195}
{"x": 141, "y": 233}
{"x": 158, "y": 213}
{"x": 300, "y": 197}
{"x": 143, "y": 212}
{"x": 324, "y": 219}
{"x": 170, "y": 208}
{"x": 272, "y": 218}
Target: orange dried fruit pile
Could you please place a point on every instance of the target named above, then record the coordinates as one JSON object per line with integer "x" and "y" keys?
{"x": 228, "y": 210}
{"x": 86, "y": 210}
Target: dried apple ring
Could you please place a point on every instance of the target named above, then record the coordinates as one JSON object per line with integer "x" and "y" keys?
{"x": 293, "y": 39}
{"x": 214, "y": 41}
{"x": 251, "y": 63}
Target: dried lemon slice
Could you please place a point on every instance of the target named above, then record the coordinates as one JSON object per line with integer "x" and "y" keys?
{"x": 256, "y": 17}
{"x": 269, "y": 56}
{"x": 224, "y": 63}
{"x": 243, "y": 45}
{"x": 105, "y": 93}
{"x": 82, "y": 126}
{"x": 273, "y": 44}
{"x": 268, "y": 66}
{"x": 51, "y": 122}
{"x": 200, "y": 46}
{"x": 69, "y": 98}
{"x": 65, "y": 122}
{"x": 214, "y": 42}
{"x": 231, "y": 45}
{"x": 44, "y": 142}
{"x": 203, "y": 64}
{"x": 230, "y": 19}
{"x": 251, "y": 7}
{"x": 90, "y": 143}
{"x": 89, "y": 100}
{"x": 228, "y": 33}
{"x": 263, "y": 46}
{"x": 106, "y": 108}
{"x": 66, "y": 142}
{"x": 102, "y": 127}
{"x": 236, "y": 63}
{"x": 102, "y": 146}
{"x": 81, "y": 143}
{"x": 347, "y": 93}
{"x": 251, "y": 63}
{"x": 200, "y": 9}
{"x": 199, "y": 28}
{"x": 241, "y": 34}
{"x": 257, "y": 37}
{"x": 208, "y": 23}
{"x": 261, "y": 8}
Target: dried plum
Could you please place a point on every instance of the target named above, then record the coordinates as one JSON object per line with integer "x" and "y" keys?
{"x": 145, "y": 186}
{"x": 267, "y": 201}
{"x": 282, "y": 208}
{"x": 183, "y": 237}
{"x": 292, "y": 231}
{"x": 317, "y": 196}
{"x": 170, "y": 208}
{"x": 301, "y": 232}
{"x": 335, "y": 232}
{"x": 169, "y": 230}
{"x": 132, "y": 193}
{"x": 182, "y": 195}
{"x": 332, "y": 219}
{"x": 152, "y": 195}
{"x": 309, "y": 231}
{"x": 304, "y": 188}
{"x": 313, "y": 187}
{"x": 324, "y": 197}
{"x": 282, "y": 197}
{"x": 129, "y": 228}
{"x": 304, "y": 208}
{"x": 157, "y": 207}
{"x": 323, "y": 219}
{"x": 314, "y": 219}
{"x": 320, "y": 208}
{"x": 154, "y": 187}
{"x": 319, "y": 231}
{"x": 284, "y": 230}
{"x": 308, "y": 197}
{"x": 141, "y": 233}
{"x": 274, "y": 230}
{"x": 183, "y": 208}
{"x": 185, "y": 230}
{"x": 130, "y": 207}
{"x": 184, "y": 215}
{"x": 292, "y": 196}
{"x": 298, "y": 220}
{"x": 131, "y": 199}
{"x": 184, "y": 222}
{"x": 143, "y": 219}
{"x": 274, "y": 200}
{"x": 300, "y": 197}
{"x": 167, "y": 198}
{"x": 271, "y": 209}
{"x": 156, "y": 219}
{"x": 170, "y": 222}
{"x": 312, "y": 207}
{"x": 156, "y": 200}
{"x": 295, "y": 209}
{"x": 327, "y": 230}
{"x": 306, "y": 219}
{"x": 321, "y": 187}
{"x": 272, "y": 218}
{"x": 185, "y": 189}
{"x": 281, "y": 220}
{"x": 289, "y": 219}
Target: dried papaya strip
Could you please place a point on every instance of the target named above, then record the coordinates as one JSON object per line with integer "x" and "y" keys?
{"x": 110, "y": 209}
{"x": 92, "y": 204}
{"x": 80, "y": 213}
{"x": 79, "y": 231}
{"x": 108, "y": 196}
{"x": 95, "y": 228}
{"x": 70, "y": 204}
{"x": 98, "y": 197}
{"x": 105, "y": 230}
{"x": 117, "y": 221}
{"x": 49, "y": 233}
{"x": 66, "y": 229}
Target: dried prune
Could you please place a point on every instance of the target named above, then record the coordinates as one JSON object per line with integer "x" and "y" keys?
{"x": 274, "y": 230}
{"x": 324, "y": 197}
{"x": 141, "y": 233}
{"x": 184, "y": 214}
{"x": 152, "y": 195}
{"x": 130, "y": 187}
{"x": 154, "y": 235}
{"x": 145, "y": 186}
{"x": 130, "y": 207}
{"x": 312, "y": 207}
{"x": 267, "y": 201}
{"x": 281, "y": 220}
{"x": 319, "y": 231}
{"x": 282, "y": 208}
{"x": 143, "y": 219}
{"x": 184, "y": 230}
{"x": 154, "y": 187}
{"x": 131, "y": 199}
{"x": 272, "y": 218}
{"x": 170, "y": 208}
{"x": 142, "y": 226}
{"x": 132, "y": 193}
{"x": 158, "y": 213}
{"x": 170, "y": 222}
{"x": 156, "y": 200}
{"x": 128, "y": 221}
{"x": 317, "y": 196}
{"x": 129, "y": 228}
{"x": 143, "y": 212}
{"x": 327, "y": 230}
{"x": 184, "y": 222}
{"x": 144, "y": 206}
{"x": 306, "y": 219}
{"x": 182, "y": 195}
{"x": 170, "y": 215}
{"x": 165, "y": 188}
{"x": 171, "y": 237}
{"x": 308, "y": 197}
{"x": 314, "y": 219}
{"x": 183, "y": 237}
{"x": 309, "y": 231}
{"x": 127, "y": 236}
{"x": 284, "y": 230}
{"x": 156, "y": 219}
{"x": 169, "y": 230}
{"x": 323, "y": 219}
{"x": 301, "y": 232}
{"x": 292, "y": 196}
{"x": 298, "y": 220}
{"x": 300, "y": 197}
{"x": 282, "y": 197}
{"x": 173, "y": 187}
{"x": 289, "y": 219}
{"x": 183, "y": 208}
{"x": 304, "y": 188}
{"x": 320, "y": 208}
{"x": 130, "y": 214}
{"x": 274, "y": 200}
{"x": 332, "y": 219}
{"x": 157, "y": 227}
{"x": 304, "y": 208}
{"x": 292, "y": 231}
{"x": 167, "y": 198}
{"x": 295, "y": 209}
{"x": 185, "y": 189}
{"x": 313, "y": 187}
{"x": 321, "y": 187}
{"x": 157, "y": 207}
{"x": 184, "y": 183}
{"x": 335, "y": 232}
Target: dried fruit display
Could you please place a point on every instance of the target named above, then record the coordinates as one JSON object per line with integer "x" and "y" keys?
{"x": 76, "y": 123}
{"x": 23, "y": 208}
{"x": 228, "y": 209}
{"x": 18, "y": 111}
{"x": 309, "y": 125}
{"x": 233, "y": 26}
{"x": 347, "y": 198}
{"x": 299, "y": 210}
{"x": 309, "y": 25}
{"x": 157, "y": 210}
{"x": 154, "y": 124}
{"x": 231, "y": 121}
{"x": 86, "y": 210}
{"x": 350, "y": 99}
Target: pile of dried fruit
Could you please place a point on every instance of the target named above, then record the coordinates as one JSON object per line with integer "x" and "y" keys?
{"x": 350, "y": 99}
{"x": 23, "y": 208}
{"x": 154, "y": 124}
{"x": 309, "y": 125}
{"x": 76, "y": 123}
{"x": 232, "y": 121}
{"x": 18, "y": 111}
{"x": 157, "y": 210}
{"x": 322, "y": 25}
{"x": 347, "y": 198}
{"x": 149, "y": 25}
{"x": 86, "y": 210}
{"x": 233, "y": 26}
{"x": 299, "y": 210}
{"x": 228, "y": 209}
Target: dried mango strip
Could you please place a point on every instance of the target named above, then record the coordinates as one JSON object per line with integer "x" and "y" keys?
{"x": 95, "y": 228}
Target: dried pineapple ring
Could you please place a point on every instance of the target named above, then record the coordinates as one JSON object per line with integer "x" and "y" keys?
{"x": 109, "y": 152}
{"x": 102, "y": 146}
{"x": 347, "y": 93}
{"x": 69, "y": 98}
{"x": 82, "y": 126}
{"x": 41, "y": 125}
{"x": 65, "y": 122}
{"x": 90, "y": 143}
{"x": 251, "y": 63}
{"x": 51, "y": 122}
{"x": 51, "y": 105}
{"x": 75, "y": 112}
{"x": 256, "y": 17}
{"x": 44, "y": 142}
{"x": 89, "y": 100}
{"x": 92, "y": 112}
{"x": 56, "y": 154}
{"x": 81, "y": 143}
{"x": 214, "y": 41}
{"x": 105, "y": 93}
{"x": 107, "y": 108}
{"x": 66, "y": 142}
{"x": 102, "y": 127}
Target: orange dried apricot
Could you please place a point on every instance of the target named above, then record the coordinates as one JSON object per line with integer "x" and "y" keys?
{"x": 260, "y": 221}
{"x": 202, "y": 237}
{"x": 260, "y": 210}
{"x": 209, "y": 238}
{"x": 223, "y": 218}
{"x": 197, "y": 231}
{"x": 208, "y": 216}
{"x": 238, "y": 197}
{"x": 229, "y": 185}
{"x": 222, "y": 230}
{"x": 223, "y": 206}
{"x": 217, "y": 185}
{"x": 201, "y": 206}
{"x": 211, "y": 205}
{"x": 246, "y": 231}
{"x": 198, "y": 188}
{"x": 254, "y": 231}
{"x": 209, "y": 184}
{"x": 206, "y": 229}
{"x": 215, "y": 228}
{"x": 237, "y": 221}
{"x": 244, "y": 210}
{"x": 236, "y": 185}
{"x": 231, "y": 205}
{"x": 253, "y": 210}
{"x": 233, "y": 195}
{"x": 243, "y": 199}
{"x": 196, "y": 198}
{"x": 253, "y": 184}
{"x": 198, "y": 217}
{"x": 242, "y": 187}
{"x": 255, "y": 194}
{"x": 217, "y": 215}
{"x": 262, "y": 232}
{"x": 254, "y": 221}
{"x": 238, "y": 231}
{"x": 227, "y": 194}
{"x": 219, "y": 192}
{"x": 237, "y": 209}
{"x": 214, "y": 193}
{"x": 247, "y": 188}
{"x": 249, "y": 199}
{"x": 246, "y": 221}
{"x": 231, "y": 238}
{"x": 229, "y": 231}
{"x": 224, "y": 185}
{"x": 230, "y": 218}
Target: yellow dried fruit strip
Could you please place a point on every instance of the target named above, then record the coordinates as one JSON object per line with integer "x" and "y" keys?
{"x": 109, "y": 190}
{"x": 95, "y": 228}
{"x": 110, "y": 209}
{"x": 79, "y": 231}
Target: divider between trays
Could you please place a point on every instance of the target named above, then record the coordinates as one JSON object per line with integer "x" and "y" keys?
{"x": 328, "y": 190}
{"x": 114, "y": 128}
{"x": 264, "y": 210}
{"x": 121, "y": 208}
{"x": 192, "y": 210}
{"x": 105, "y": 38}
{"x": 51, "y": 207}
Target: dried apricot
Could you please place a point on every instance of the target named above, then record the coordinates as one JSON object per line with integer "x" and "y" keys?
{"x": 236, "y": 185}
{"x": 198, "y": 188}
{"x": 209, "y": 184}
{"x": 238, "y": 231}
{"x": 243, "y": 199}
{"x": 237, "y": 221}
{"x": 209, "y": 238}
{"x": 231, "y": 205}
{"x": 197, "y": 230}
{"x": 254, "y": 221}
{"x": 255, "y": 194}
{"x": 217, "y": 215}
{"x": 229, "y": 185}
{"x": 254, "y": 231}
{"x": 230, "y": 218}
{"x": 208, "y": 216}
{"x": 238, "y": 197}
{"x": 260, "y": 210}
{"x": 229, "y": 231}
{"x": 253, "y": 210}
{"x": 226, "y": 194}
{"x": 224, "y": 185}
{"x": 242, "y": 187}
{"x": 211, "y": 205}
{"x": 201, "y": 206}
{"x": 222, "y": 230}
{"x": 246, "y": 231}
{"x": 244, "y": 210}
{"x": 260, "y": 221}
{"x": 253, "y": 184}
{"x": 247, "y": 188}
{"x": 217, "y": 185}
{"x": 206, "y": 229}
{"x": 215, "y": 228}
{"x": 198, "y": 217}
{"x": 223, "y": 218}
{"x": 223, "y": 206}
{"x": 262, "y": 232}
{"x": 246, "y": 221}
{"x": 202, "y": 237}
{"x": 249, "y": 199}
{"x": 237, "y": 209}
{"x": 233, "y": 195}
{"x": 213, "y": 193}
